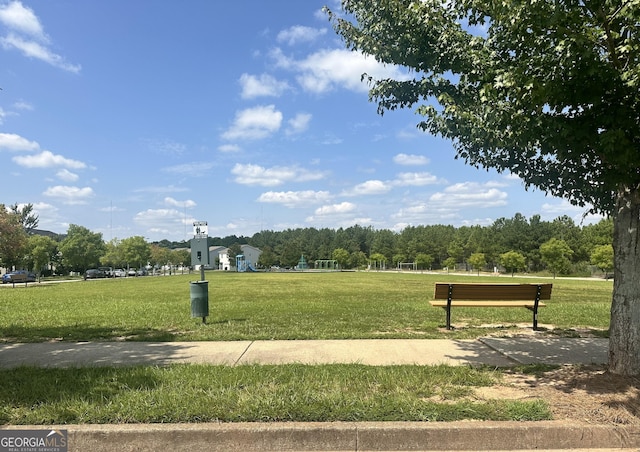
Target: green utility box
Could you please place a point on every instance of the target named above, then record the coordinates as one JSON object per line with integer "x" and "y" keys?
{"x": 199, "y": 299}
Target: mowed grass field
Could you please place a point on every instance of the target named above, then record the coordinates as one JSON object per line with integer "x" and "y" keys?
{"x": 281, "y": 305}
{"x": 252, "y": 306}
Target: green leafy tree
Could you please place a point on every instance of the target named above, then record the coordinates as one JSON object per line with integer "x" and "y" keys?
{"x": 424, "y": 261}
{"x": 602, "y": 257}
{"x": 548, "y": 90}
{"x": 181, "y": 256}
{"x": 357, "y": 259}
{"x": 450, "y": 263}
{"x": 13, "y": 238}
{"x": 28, "y": 219}
{"x": 42, "y": 250}
{"x": 477, "y": 261}
{"x": 513, "y": 261}
{"x": 378, "y": 260}
{"x": 342, "y": 256}
{"x": 399, "y": 258}
{"x": 81, "y": 249}
{"x": 113, "y": 255}
{"x": 289, "y": 253}
{"x": 268, "y": 258}
{"x": 160, "y": 256}
{"x": 384, "y": 242}
{"x": 556, "y": 254}
{"x": 136, "y": 251}
{"x": 456, "y": 251}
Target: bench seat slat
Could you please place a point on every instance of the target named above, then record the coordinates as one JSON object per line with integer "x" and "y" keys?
{"x": 466, "y": 291}
{"x": 486, "y": 304}
{"x": 527, "y": 296}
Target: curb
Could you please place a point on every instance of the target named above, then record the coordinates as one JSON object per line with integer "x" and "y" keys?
{"x": 347, "y": 436}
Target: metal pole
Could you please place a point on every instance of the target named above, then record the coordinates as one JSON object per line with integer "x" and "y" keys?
{"x": 204, "y": 319}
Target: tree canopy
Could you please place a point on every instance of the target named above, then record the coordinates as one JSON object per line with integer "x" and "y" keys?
{"x": 547, "y": 90}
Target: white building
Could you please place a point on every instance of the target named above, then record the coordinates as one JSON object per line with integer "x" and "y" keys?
{"x": 251, "y": 256}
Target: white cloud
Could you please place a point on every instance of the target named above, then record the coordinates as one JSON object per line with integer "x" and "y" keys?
{"x": 416, "y": 179}
{"x": 331, "y": 140}
{"x": 269, "y": 177}
{"x": 47, "y": 159}
{"x": 168, "y": 147}
{"x": 264, "y": 85}
{"x": 579, "y": 215}
{"x": 370, "y": 187}
{"x": 154, "y": 217}
{"x": 70, "y": 195}
{"x": 339, "y": 215}
{"x": 17, "y": 17}
{"x": 40, "y": 207}
{"x": 470, "y": 194}
{"x": 28, "y": 36}
{"x": 420, "y": 212}
{"x": 254, "y": 123}
{"x": 188, "y": 203}
{"x": 333, "y": 209}
{"x": 328, "y": 69}
{"x": 22, "y": 105}
{"x": 33, "y": 49}
{"x": 299, "y": 33}
{"x": 298, "y": 124}
{"x": 161, "y": 189}
{"x": 295, "y": 198}
{"x": 410, "y": 159}
{"x": 13, "y": 142}
{"x": 229, "y": 148}
{"x": 67, "y": 176}
{"x": 191, "y": 169}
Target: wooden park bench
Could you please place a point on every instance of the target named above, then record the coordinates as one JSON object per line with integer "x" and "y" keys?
{"x": 479, "y": 295}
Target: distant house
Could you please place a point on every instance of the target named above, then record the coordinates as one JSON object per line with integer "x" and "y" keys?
{"x": 214, "y": 255}
{"x": 251, "y": 256}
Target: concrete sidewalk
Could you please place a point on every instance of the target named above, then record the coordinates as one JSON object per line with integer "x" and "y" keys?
{"x": 330, "y": 436}
{"x": 498, "y": 352}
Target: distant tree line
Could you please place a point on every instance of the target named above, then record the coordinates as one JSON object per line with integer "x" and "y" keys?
{"x": 511, "y": 244}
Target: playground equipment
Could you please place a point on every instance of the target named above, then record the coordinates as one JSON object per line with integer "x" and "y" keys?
{"x": 326, "y": 264}
{"x": 302, "y": 264}
{"x": 243, "y": 265}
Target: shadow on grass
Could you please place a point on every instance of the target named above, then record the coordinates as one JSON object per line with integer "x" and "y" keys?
{"x": 77, "y": 333}
{"x": 105, "y": 354}
{"x": 49, "y": 387}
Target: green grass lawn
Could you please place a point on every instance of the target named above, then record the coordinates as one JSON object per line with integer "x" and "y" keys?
{"x": 252, "y": 306}
{"x": 200, "y": 393}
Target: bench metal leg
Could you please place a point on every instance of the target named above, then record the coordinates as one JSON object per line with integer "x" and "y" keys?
{"x": 449, "y": 298}
{"x": 535, "y": 307}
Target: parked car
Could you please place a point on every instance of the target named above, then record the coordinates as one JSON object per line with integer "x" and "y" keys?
{"x": 18, "y": 276}
{"x": 131, "y": 272}
{"x": 108, "y": 271}
{"x": 94, "y": 273}
{"x": 119, "y": 273}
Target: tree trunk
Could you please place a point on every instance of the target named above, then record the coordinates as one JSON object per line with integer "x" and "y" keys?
{"x": 624, "y": 334}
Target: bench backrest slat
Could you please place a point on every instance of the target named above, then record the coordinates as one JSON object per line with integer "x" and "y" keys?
{"x": 470, "y": 291}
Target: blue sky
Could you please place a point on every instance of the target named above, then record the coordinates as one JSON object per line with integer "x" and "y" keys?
{"x": 137, "y": 118}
